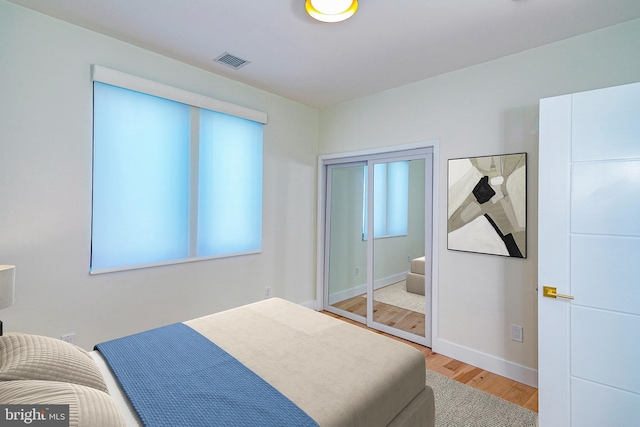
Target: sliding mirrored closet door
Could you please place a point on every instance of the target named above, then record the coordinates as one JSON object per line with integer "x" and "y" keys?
{"x": 377, "y": 248}
{"x": 398, "y": 244}
{"x": 346, "y": 251}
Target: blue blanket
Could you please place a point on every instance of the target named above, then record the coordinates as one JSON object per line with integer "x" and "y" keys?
{"x": 174, "y": 377}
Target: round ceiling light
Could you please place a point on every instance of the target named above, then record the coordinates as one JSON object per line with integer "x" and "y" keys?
{"x": 331, "y": 10}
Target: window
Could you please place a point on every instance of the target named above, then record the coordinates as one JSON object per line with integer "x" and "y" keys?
{"x": 173, "y": 181}
{"x": 390, "y": 199}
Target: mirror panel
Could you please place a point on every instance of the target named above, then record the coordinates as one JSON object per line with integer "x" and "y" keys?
{"x": 347, "y": 253}
{"x": 399, "y": 245}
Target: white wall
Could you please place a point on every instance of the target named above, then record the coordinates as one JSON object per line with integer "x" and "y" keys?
{"x": 45, "y": 191}
{"x": 482, "y": 110}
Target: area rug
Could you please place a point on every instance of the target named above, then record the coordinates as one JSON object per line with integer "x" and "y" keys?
{"x": 458, "y": 405}
{"x": 397, "y": 295}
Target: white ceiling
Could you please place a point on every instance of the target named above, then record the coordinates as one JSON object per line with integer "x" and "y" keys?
{"x": 388, "y": 43}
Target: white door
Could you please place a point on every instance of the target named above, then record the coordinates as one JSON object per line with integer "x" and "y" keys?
{"x": 589, "y": 248}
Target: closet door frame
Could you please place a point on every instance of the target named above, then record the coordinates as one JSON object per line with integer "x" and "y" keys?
{"x": 415, "y": 151}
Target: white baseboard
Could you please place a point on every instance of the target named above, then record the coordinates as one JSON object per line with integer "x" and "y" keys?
{"x": 487, "y": 362}
{"x": 362, "y": 289}
{"x": 347, "y": 293}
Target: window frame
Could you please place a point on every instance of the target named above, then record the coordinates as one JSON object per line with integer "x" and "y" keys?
{"x": 196, "y": 102}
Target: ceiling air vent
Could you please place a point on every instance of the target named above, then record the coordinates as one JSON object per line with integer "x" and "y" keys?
{"x": 231, "y": 60}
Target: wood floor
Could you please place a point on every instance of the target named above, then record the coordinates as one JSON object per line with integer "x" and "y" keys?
{"x": 390, "y": 315}
{"x": 504, "y": 388}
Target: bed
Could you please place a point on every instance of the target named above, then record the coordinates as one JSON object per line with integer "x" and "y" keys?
{"x": 334, "y": 373}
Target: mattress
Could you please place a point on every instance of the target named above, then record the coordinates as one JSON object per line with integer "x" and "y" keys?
{"x": 338, "y": 373}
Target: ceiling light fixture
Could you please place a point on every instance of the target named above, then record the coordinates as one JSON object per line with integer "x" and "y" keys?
{"x": 331, "y": 10}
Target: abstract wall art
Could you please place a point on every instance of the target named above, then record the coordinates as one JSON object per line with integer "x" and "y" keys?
{"x": 487, "y": 205}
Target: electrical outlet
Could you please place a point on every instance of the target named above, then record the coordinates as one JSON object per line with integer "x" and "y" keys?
{"x": 516, "y": 333}
{"x": 267, "y": 292}
{"x": 357, "y": 271}
{"x": 70, "y": 338}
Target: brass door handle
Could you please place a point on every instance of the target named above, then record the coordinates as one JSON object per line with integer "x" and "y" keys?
{"x": 549, "y": 292}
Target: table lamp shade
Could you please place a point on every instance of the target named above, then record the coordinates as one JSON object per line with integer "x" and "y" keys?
{"x": 7, "y": 285}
